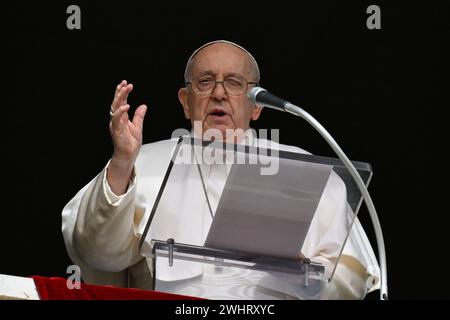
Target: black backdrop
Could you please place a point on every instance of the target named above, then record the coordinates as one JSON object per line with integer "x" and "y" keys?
{"x": 377, "y": 91}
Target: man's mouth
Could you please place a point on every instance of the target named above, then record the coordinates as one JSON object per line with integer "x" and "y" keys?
{"x": 217, "y": 112}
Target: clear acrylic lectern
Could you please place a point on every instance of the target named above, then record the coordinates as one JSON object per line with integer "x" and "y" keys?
{"x": 230, "y": 220}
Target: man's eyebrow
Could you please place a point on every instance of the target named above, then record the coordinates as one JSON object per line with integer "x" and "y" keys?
{"x": 233, "y": 74}
{"x": 227, "y": 74}
{"x": 207, "y": 72}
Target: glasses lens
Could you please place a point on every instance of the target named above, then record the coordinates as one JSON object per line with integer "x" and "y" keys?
{"x": 235, "y": 85}
{"x": 204, "y": 84}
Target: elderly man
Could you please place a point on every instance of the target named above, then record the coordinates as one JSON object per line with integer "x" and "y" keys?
{"x": 103, "y": 223}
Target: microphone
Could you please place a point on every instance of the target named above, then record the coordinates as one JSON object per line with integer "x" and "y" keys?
{"x": 262, "y": 98}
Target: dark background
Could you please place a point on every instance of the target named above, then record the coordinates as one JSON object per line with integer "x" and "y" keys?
{"x": 378, "y": 92}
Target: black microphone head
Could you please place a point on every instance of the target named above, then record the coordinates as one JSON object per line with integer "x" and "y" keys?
{"x": 262, "y": 98}
{"x": 251, "y": 94}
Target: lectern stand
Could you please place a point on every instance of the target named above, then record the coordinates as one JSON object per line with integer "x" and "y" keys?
{"x": 232, "y": 275}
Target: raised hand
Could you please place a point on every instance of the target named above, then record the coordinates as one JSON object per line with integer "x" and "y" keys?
{"x": 126, "y": 136}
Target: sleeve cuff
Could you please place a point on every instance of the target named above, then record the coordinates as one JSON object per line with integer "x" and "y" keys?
{"x": 110, "y": 196}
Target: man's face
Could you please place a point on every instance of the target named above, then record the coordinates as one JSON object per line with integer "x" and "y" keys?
{"x": 220, "y": 110}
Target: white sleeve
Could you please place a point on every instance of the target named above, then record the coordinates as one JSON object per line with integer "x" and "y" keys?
{"x": 104, "y": 235}
{"x": 111, "y": 197}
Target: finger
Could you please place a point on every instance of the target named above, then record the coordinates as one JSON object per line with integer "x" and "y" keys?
{"x": 122, "y": 96}
{"x": 125, "y": 92}
{"x": 116, "y": 101}
{"x": 120, "y": 119}
{"x": 138, "y": 118}
{"x": 122, "y": 83}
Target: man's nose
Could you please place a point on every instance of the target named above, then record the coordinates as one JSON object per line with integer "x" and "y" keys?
{"x": 219, "y": 91}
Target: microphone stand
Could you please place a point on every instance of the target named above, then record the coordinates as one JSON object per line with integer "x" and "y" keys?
{"x": 295, "y": 110}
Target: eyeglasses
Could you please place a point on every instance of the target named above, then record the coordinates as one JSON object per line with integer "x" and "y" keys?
{"x": 206, "y": 84}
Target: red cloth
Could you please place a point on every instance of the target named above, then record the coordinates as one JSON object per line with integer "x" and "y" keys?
{"x": 55, "y": 288}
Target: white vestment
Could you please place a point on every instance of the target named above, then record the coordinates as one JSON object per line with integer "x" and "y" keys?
{"x": 102, "y": 230}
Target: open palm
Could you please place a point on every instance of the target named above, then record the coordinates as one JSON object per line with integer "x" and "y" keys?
{"x": 125, "y": 133}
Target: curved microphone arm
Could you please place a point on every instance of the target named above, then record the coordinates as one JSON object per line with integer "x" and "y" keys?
{"x": 289, "y": 107}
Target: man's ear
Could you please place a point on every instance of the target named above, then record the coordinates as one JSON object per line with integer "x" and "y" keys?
{"x": 183, "y": 97}
{"x": 256, "y": 112}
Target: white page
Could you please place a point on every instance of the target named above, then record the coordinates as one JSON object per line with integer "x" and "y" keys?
{"x": 268, "y": 214}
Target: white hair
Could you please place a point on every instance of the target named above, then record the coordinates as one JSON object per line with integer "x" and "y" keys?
{"x": 189, "y": 62}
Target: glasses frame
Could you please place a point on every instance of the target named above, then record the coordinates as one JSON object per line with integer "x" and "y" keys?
{"x": 216, "y": 82}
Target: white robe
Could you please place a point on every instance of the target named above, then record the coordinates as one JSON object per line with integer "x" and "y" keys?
{"x": 102, "y": 231}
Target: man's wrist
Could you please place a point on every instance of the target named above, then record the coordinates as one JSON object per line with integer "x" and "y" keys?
{"x": 119, "y": 174}
{"x": 121, "y": 167}
{"x": 112, "y": 197}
